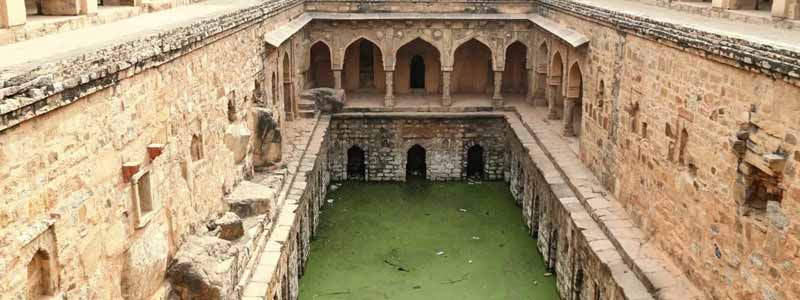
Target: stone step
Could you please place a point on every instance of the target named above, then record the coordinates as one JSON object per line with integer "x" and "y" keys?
{"x": 306, "y": 105}
{"x": 306, "y": 114}
{"x": 250, "y": 199}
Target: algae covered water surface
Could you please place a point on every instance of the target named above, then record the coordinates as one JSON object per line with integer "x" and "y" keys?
{"x": 424, "y": 240}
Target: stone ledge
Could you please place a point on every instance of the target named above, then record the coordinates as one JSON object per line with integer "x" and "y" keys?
{"x": 777, "y": 61}
{"x": 32, "y": 89}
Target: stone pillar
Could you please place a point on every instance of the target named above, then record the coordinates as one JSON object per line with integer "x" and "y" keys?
{"x": 12, "y": 13}
{"x": 531, "y": 88}
{"x": 785, "y": 9}
{"x": 569, "y": 106}
{"x": 388, "y": 101}
{"x": 497, "y": 98}
{"x": 337, "y": 79}
{"x": 552, "y": 95}
{"x": 446, "y": 101}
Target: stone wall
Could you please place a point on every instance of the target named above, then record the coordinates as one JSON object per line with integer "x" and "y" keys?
{"x": 585, "y": 262}
{"x": 386, "y": 139}
{"x": 686, "y": 142}
{"x": 65, "y": 187}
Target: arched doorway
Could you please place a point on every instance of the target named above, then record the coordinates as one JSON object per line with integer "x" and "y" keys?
{"x": 363, "y": 67}
{"x": 555, "y": 100}
{"x": 356, "y": 164}
{"x": 475, "y": 162}
{"x": 415, "y": 163}
{"x": 574, "y": 117}
{"x": 320, "y": 73}
{"x": 418, "y": 68}
{"x": 417, "y": 74}
{"x": 288, "y": 102}
{"x": 472, "y": 68}
{"x": 515, "y": 75}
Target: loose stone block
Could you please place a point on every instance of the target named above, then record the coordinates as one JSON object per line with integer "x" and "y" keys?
{"x": 249, "y": 199}
{"x": 230, "y": 226}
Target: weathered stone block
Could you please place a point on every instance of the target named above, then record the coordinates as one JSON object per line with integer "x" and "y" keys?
{"x": 230, "y": 226}
{"x": 326, "y": 100}
{"x": 144, "y": 265}
{"x": 205, "y": 268}
{"x": 267, "y": 145}
{"x": 237, "y": 139}
{"x": 249, "y": 199}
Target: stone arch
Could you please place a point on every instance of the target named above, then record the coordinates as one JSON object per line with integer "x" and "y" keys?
{"x": 40, "y": 283}
{"x": 524, "y": 43}
{"x": 472, "y": 68}
{"x": 457, "y": 44}
{"x": 341, "y": 58}
{"x": 392, "y": 61}
{"x": 320, "y": 69}
{"x": 416, "y": 162}
{"x": 554, "y": 86}
{"x": 574, "y": 104}
{"x": 431, "y": 59}
{"x": 356, "y": 163}
{"x": 362, "y": 66}
{"x": 515, "y": 72}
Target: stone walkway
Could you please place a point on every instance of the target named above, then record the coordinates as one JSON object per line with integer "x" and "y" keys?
{"x": 82, "y": 41}
{"x": 77, "y": 42}
{"x": 651, "y": 264}
{"x": 765, "y": 34}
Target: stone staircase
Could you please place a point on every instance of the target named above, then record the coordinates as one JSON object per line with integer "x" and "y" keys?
{"x": 306, "y": 109}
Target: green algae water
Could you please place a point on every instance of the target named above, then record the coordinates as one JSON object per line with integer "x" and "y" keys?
{"x": 424, "y": 240}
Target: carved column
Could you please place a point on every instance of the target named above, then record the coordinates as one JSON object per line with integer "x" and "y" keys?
{"x": 554, "y": 94}
{"x": 497, "y": 98}
{"x": 446, "y": 101}
{"x": 569, "y": 106}
{"x": 388, "y": 101}
{"x": 337, "y": 79}
{"x": 531, "y": 88}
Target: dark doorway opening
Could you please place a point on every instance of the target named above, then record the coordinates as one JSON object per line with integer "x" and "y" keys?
{"x": 475, "y": 162}
{"x": 356, "y": 167}
{"x": 366, "y": 65}
{"x": 417, "y": 72}
{"x": 415, "y": 163}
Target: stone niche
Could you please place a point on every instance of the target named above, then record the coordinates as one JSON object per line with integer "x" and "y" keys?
{"x": 41, "y": 259}
{"x": 437, "y": 147}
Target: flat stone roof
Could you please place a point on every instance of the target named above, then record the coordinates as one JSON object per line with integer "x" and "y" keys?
{"x": 281, "y": 34}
